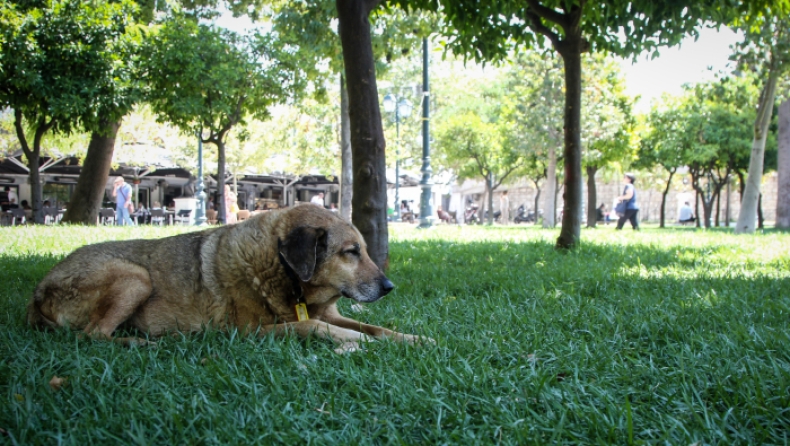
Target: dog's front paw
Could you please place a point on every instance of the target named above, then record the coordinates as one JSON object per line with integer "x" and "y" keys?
{"x": 348, "y": 347}
{"x": 415, "y": 339}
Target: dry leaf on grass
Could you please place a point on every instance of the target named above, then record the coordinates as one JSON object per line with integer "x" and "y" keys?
{"x": 57, "y": 382}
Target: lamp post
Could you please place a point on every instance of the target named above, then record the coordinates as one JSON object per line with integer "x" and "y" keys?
{"x": 426, "y": 211}
{"x": 200, "y": 212}
{"x": 402, "y": 108}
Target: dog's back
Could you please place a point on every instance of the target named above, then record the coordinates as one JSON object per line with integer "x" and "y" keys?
{"x": 68, "y": 293}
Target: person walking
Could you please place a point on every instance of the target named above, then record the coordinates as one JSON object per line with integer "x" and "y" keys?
{"x": 504, "y": 208}
{"x": 631, "y": 208}
{"x": 122, "y": 192}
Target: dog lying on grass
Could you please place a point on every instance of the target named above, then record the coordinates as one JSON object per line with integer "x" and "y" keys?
{"x": 281, "y": 272}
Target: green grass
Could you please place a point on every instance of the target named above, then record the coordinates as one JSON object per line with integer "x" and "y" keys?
{"x": 672, "y": 336}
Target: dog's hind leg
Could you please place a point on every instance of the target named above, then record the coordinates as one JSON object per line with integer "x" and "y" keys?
{"x": 121, "y": 296}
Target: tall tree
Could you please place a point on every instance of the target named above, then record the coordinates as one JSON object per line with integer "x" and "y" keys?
{"x": 307, "y": 27}
{"x": 64, "y": 69}
{"x": 662, "y": 144}
{"x": 718, "y": 135}
{"x": 367, "y": 136}
{"x": 533, "y": 107}
{"x": 486, "y": 30}
{"x": 783, "y": 168}
{"x": 476, "y": 149}
{"x": 764, "y": 50}
{"x": 208, "y": 80}
{"x": 608, "y": 128}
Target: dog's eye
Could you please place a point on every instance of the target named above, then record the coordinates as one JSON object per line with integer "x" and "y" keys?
{"x": 353, "y": 252}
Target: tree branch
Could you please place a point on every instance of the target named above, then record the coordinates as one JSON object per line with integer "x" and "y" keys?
{"x": 536, "y": 24}
{"x": 20, "y": 133}
{"x": 370, "y": 5}
{"x": 511, "y": 170}
{"x": 43, "y": 127}
{"x": 548, "y": 13}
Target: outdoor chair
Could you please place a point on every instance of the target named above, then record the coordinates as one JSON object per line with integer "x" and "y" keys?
{"x": 51, "y": 215}
{"x": 107, "y": 216}
{"x": 183, "y": 216}
{"x": 158, "y": 216}
{"x": 17, "y": 214}
{"x": 242, "y": 215}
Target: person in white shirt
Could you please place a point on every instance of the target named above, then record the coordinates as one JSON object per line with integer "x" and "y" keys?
{"x": 686, "y": 214}
{"x": 12, "y": 196}
{"x": 318, "y": 199}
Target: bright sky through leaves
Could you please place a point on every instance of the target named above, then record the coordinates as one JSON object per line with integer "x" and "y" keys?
{"x": 676, "y": 66}
{"x": 687, "y": 63}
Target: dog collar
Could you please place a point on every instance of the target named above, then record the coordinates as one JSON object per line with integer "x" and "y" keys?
{"x": 301, "y": 307}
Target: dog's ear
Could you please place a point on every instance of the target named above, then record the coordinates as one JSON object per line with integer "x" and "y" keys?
{"x": 301, "y": 249}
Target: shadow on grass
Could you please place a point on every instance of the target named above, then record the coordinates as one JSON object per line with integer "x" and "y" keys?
{"x": 533, "y": 346}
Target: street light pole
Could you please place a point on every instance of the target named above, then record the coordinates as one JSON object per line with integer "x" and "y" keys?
{"x": 200, "y": 212}
{"x": 397, "y": 164}
{"x": 402, "y": 108}
{"x": 426, "y": 211}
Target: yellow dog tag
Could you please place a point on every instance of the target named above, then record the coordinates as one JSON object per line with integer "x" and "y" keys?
{"x": 301, "y": 312}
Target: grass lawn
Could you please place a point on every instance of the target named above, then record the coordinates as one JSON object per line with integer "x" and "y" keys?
{"x": 674, "y": 336}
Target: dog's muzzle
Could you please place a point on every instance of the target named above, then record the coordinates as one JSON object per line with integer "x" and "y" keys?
{"x": 371, "y": 291}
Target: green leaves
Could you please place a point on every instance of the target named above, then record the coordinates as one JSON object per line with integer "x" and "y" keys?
{"x": 201, "y": 77}
{"x": 68, "y": 61}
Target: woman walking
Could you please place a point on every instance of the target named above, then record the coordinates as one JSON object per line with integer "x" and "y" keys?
{"x": 631, "y": 208}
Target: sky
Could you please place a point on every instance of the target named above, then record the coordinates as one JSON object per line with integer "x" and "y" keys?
{"x": 687, "y": 63}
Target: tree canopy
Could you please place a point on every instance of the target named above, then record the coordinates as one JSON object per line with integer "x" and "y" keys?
{"x": 488, "y": 31}
{"x": 67, "y": 65}
{"x": 208, "y": 80}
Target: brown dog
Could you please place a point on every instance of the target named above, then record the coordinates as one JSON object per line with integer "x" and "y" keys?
{"x": 251, "y": 276}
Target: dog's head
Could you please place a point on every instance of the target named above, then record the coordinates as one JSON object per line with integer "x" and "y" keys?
{"x": 328, "y": 256}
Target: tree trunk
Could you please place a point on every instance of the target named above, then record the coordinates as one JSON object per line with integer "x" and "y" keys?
{"x": 592, "y": 197}
{"x": 783, "y": 168}
{"x": 696, "y": 205}
{"x": 557, "y": 191}
{"x": 346, "y": 171}
{"x": 367, "y": 136}
{"x": 92, "y": 182}
{"x": 760, "y": 217}
{"x": 549, "y": 211}
{"x": 490, "y": 189}
{"x": 707, "y": 208}
{"x": 662, "y": 218}
{"x": 718, "y": 209}
{"x": 747, "y": 217}
{"x": 33, "y": 156}
{"x": 221, "y": 211}
{"x": 741, "y": 186}
{"x": 570, "y": 50}
{"x": 34, "y": 178}
{"x": 537, "y": 201}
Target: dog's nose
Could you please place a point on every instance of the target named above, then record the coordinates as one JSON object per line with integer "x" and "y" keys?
{"x": 386, "y": 286}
